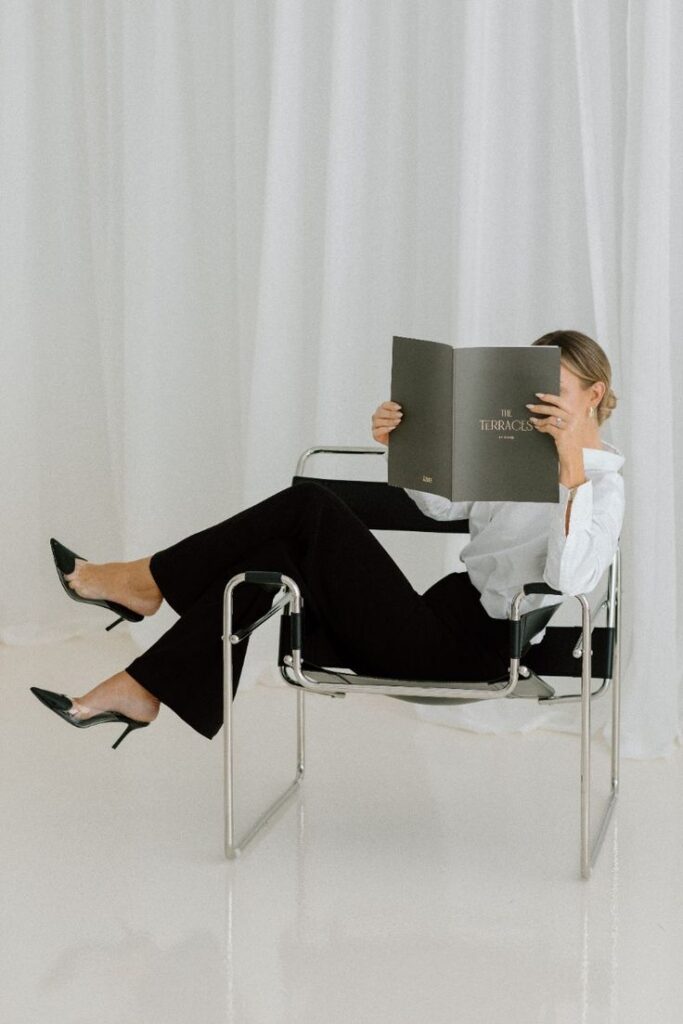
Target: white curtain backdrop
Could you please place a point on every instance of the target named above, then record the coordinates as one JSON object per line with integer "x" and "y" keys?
{"x": 215, "y": 215}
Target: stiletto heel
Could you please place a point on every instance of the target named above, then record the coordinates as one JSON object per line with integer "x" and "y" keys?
{"x": 65, "y": 562}
{"x": 63, "y": 706}
{"x": 129, "y": 728}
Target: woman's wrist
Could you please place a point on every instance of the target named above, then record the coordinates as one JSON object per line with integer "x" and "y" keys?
{"x": 572, "y": 470}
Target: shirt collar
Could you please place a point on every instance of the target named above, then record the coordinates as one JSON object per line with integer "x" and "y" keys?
{"x": 609, "y": 459}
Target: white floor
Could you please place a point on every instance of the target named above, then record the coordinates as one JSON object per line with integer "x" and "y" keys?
{"x": 424, "y": 874}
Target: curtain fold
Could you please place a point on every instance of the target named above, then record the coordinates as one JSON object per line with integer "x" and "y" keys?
{"x": 646, "y": 354}
{"x": 214, "y": 216}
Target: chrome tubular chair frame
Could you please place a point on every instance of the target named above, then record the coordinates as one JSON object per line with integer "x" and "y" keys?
{"x": 589, "y": 855}
{"x": 293, "y": 598}
{"x": 338, "y": 684}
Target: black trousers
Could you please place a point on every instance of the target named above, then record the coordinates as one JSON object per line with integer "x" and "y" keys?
{"x": 360, "y": 611}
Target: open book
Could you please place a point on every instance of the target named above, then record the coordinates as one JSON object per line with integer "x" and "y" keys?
{"x": 465, "y": 432}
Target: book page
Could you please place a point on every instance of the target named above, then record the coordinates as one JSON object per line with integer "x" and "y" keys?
{"x": 498, "y": 455}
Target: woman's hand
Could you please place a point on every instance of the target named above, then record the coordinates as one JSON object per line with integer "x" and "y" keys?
{"x": 385, "y": 418}
{"x": 569, "y": 435}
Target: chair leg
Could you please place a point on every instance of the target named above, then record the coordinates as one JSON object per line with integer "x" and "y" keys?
{"x": 232, "y": 847}
{"x": 588, "y": 855}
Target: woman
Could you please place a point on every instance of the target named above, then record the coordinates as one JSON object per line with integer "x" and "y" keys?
{"x": 360, "y": 610}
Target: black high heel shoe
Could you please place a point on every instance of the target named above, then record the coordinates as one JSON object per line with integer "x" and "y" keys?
{"x": 65, "y": 562}
{"x": 61, "y": 704}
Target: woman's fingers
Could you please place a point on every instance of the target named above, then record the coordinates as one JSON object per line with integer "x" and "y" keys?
{"x": 551, "y": 410}
{"x": 548, "y": 403}
{"x": 542, "y": 424}
{"x": 386, "y": 417}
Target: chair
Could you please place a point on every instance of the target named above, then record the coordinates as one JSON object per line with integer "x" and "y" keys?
{"x": 593, "y": 653}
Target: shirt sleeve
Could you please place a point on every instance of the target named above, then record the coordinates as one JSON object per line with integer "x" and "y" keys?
{"x": 576, "y": 561}
{"x": 437, "y": 507}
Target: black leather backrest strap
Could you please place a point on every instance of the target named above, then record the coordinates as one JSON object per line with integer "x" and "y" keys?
{"x": 554, "y": 657}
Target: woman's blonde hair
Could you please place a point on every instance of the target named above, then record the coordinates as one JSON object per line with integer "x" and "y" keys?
{"x": 587, "y": 360}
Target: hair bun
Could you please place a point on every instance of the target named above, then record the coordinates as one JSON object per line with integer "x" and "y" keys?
{"x": 609, "y": 402}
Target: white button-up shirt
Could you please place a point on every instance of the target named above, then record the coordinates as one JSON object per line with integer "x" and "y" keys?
{"x": 513, "y": 542}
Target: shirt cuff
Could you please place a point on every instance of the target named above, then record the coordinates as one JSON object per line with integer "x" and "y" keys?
{"x": 433, "y": 505}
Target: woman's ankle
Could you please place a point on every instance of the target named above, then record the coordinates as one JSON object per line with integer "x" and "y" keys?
{"x": 141, "y": 582}
{"x": 122, "y": 693}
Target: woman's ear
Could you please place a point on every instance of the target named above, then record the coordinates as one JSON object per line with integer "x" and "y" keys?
{"x": 598, "y": 391}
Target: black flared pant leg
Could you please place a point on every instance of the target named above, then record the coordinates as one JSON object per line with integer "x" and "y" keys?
{"x": 360, "y": 610}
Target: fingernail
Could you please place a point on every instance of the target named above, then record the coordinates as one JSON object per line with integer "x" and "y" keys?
{"x": 532, "y": 419}
{"x": 539, "y": 394}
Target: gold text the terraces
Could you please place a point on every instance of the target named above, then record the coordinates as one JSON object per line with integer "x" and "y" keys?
{"x": 505, "y": 425}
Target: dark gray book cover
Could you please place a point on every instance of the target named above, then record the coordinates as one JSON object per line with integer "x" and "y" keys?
{"x": 465, "y": 432}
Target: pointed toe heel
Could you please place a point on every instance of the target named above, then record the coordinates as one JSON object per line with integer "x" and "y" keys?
{"x": 63, "y": 706}
{"x": 65, "y": 563}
